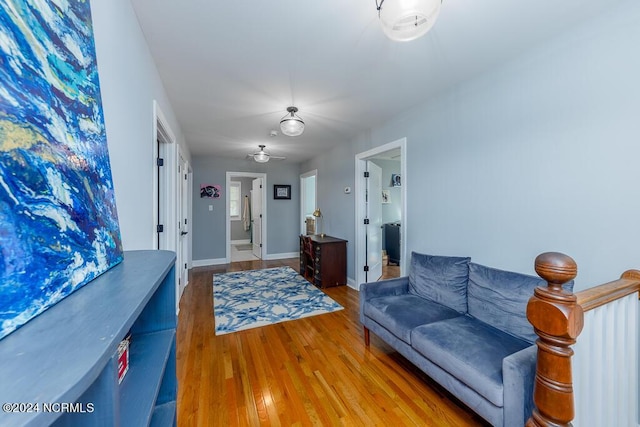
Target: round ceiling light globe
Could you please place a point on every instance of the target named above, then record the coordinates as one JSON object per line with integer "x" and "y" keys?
{"x": 292, "y": 126}
{"x": 405, "y": 20}
{"x": 261, "y": 157}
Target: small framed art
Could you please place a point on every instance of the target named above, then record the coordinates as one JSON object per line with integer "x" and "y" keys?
{"x": 281, "y": 192}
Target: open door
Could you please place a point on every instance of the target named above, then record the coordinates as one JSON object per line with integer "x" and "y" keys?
{"x": 390, "y": 151}
{"x": 182, "y": 250}
{"x": 374, "y": 227}
{"x": 308, "y": 202}
{"x": 256, "y": 217}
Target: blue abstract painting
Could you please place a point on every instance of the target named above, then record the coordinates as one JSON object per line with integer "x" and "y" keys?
{"x": 58, "y": 220}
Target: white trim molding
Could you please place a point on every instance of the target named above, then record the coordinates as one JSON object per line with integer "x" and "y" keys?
{"x": 208, "y": 262}
{"x": 360, "y": 187}
{"x": 284, "y": 255}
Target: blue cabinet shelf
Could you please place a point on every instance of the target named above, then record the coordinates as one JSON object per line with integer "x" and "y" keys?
{"x": 67, "y": 356}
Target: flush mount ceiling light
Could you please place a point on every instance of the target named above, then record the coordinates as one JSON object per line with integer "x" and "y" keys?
{"x": 292, "y": 124}
{"x": 262, "y": 156}
{"x": 405, "y": 20}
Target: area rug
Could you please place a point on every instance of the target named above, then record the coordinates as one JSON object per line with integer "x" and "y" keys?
{"x": 249, "y": 299}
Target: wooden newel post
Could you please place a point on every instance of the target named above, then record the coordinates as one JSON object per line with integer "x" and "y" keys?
{"x": 558, "y": 321}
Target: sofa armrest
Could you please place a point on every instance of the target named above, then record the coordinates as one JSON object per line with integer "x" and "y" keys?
{"x": 518, "y": 376}
{"x": 397, "y": 286}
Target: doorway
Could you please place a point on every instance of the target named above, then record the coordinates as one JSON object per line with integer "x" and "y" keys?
{"x": 380, "y": 246}
{"x": 171, "y": 198}
{"x": 184, "y": 188}
{"x": 308, "y": 201}
{"x": 246, "y": 216}
{"x": 164, "y": 179}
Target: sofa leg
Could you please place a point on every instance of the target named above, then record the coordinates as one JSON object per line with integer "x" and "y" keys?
{"x": 366, "y": 336}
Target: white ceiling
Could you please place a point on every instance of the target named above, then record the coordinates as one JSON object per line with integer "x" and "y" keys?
{"x": 231, "y": 68}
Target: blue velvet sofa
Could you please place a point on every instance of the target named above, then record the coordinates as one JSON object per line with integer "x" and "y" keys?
{"x": 465, "y": 326}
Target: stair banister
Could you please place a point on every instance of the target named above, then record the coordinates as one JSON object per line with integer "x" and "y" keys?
{"x": 557, "y": 320}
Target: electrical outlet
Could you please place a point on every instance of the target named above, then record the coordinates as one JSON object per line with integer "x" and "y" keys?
{"x": 210, "y": 208}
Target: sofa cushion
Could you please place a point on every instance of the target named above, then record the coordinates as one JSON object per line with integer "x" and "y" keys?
{"x": 469, "y": 350}
{"x": 500, "y": 299}
{"x": 400, "y": 314}
{"x": 441, "y": 279}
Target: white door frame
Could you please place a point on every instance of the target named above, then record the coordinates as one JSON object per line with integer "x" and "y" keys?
{"x": 184, "y": 222}
{"x": 167, "y": 210}
{"x": 167, "y": 151}
{"x": 228, "y": 216}
{"x": 360, "y": 187}
{"x": 303, "y": 196}
{"x": 373, "y": 247}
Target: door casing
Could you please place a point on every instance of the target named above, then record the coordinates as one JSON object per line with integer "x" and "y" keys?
{"x": 304, "y": 196}
{"x": 361, "y": 208}
{"x": 264, "y": 210}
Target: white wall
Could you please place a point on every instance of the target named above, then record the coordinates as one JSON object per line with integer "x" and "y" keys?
{"x": 129, "y": 83}
{"x": 539, "y": 154}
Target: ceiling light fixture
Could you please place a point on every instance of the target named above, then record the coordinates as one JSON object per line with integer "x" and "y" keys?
{"x": 292, "y": 124}
{"x": 405, "y": 20}
{"x": 261, "y": 156}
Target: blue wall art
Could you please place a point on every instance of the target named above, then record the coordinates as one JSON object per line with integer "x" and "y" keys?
{"x": 58, "y": 220}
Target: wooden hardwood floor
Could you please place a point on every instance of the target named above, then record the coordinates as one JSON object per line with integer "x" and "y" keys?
{"x": 313, "y": 371}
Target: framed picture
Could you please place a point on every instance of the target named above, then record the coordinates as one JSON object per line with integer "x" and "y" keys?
{"x": 395, "y": 180}
{"x": 386, "y": 197}
{"x": 281, "y": 192}
{"x": 213, "y": 191}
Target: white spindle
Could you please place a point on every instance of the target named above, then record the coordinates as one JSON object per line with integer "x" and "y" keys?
{"x": 605, "y": 370}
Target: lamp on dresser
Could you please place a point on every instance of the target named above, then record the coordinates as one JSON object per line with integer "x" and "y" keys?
{"x": 318, "y": 214}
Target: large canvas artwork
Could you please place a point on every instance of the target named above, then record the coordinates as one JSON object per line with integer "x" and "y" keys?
{"x": 58, "y": 220}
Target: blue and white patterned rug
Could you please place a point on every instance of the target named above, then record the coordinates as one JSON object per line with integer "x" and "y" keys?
{"x": 249, "y": 299}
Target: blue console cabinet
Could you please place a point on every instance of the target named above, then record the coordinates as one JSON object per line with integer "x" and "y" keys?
{"x": 62, "y": 365}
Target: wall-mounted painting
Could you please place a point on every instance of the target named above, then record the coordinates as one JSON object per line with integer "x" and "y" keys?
{"x": 213, "y": 191}
{"x": 58, "y": 221}
{"x": 282, "y": 192}
{"x": 386, "y": 197}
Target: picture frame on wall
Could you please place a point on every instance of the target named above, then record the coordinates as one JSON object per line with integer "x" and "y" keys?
{"x": 213, "y": 191}
{"x": 386, "y": 197}
{"x": 395, "y": 180}
{"x": 281, "y": 192}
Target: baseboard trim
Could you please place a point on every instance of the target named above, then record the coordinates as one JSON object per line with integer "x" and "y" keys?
{"x": 207, "y": 262}
{"x": 241, "y": 242}
{"x": 352, "y": 284}
{"x": 271, "y": 257}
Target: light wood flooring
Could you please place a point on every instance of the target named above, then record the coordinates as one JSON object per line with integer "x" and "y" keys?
{"x": 314, "y": 371}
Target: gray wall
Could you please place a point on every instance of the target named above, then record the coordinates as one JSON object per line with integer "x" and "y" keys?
{"x": 129, "y": 83}
{"x": 282, "y": 215}
{"x": 336, "y": 171}
{"x": 237, "y": 227}
{"x": 539, "y": 154}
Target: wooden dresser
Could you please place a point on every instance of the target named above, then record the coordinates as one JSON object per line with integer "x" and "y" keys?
{"x": 330, "y": 260}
